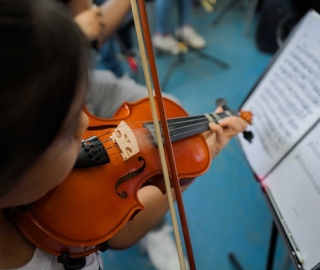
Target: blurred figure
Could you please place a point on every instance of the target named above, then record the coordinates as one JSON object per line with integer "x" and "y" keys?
{"x": 164, "y": 39}
{"x": 122, "y": 40}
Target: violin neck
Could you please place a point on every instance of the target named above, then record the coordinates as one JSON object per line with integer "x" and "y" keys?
{"x": 184, "y": 127}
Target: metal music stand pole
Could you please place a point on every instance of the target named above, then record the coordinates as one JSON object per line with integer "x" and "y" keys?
{"x": 181, "y": 59}
{"x": 181, "y": 56}
{"x": 224, "y": 12}
{"x": 271, "y": 252}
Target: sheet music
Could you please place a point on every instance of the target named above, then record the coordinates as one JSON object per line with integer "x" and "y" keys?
{"x": 286, "y": 102}
{"x": 285, "y": 151}
{"x": 295, "y": 188}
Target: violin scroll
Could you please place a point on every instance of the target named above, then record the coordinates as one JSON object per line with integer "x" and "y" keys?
{"x": 246, "y": 116}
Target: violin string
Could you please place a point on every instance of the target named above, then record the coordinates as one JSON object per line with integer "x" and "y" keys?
{"x": 190, "y": 130}
{"x": 148, "y": 142}
{"x": 200, "y": 119}
{"x": 173, "y": 137}
{"x": 172, "y": 121}
{"x": 183, "y": 121}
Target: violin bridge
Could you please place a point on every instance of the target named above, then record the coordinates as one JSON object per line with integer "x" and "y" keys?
{"x": 124, "y": 137}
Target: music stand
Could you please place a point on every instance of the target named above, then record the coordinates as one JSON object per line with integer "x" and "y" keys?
{"x": 271, "y": 252}
{"x": 284, "y": 182}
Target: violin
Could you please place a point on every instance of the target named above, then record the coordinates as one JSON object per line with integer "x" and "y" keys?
{"x": 118, "y": 157}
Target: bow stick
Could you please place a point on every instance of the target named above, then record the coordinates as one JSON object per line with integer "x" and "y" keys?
{"x": 145, "y": 37}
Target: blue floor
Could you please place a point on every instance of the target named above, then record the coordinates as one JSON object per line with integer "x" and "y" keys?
{"x": 225, "y": 208}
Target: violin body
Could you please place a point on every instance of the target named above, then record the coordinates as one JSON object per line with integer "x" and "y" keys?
{"x": 78, "y": 216}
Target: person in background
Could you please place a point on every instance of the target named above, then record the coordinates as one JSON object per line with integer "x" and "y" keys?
{"x": 119, "y": 43}
{"x": 164, "y": 39}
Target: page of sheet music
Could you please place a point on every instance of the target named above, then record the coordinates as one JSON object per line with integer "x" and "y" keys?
{"x": 295, "y": 188}
{"x": 286, "y": 102}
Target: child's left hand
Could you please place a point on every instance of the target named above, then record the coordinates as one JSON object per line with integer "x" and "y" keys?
{"x": 220, "y": 134}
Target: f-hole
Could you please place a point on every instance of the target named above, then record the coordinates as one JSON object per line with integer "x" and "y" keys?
{"x": 127, "y": 177}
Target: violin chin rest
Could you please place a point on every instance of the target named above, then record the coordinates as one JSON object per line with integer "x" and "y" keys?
{"x": 92, "y": 153}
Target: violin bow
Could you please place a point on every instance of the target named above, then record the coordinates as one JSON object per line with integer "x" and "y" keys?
{"x": 143, "y": 35}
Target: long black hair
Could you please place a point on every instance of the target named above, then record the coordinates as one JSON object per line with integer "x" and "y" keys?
{"x": 43, "y": 58}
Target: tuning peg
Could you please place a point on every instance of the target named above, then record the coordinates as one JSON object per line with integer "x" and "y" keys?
{"x": 221, "y": 102}
{"x": 247, "y": 135}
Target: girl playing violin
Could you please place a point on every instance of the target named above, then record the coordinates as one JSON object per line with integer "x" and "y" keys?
{"x": 44, "y": 64}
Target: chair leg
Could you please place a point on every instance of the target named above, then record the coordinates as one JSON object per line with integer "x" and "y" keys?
{"x": 235, "y": 261}
{"x": 223, "y": 12}
{"x": 250, "y": 16}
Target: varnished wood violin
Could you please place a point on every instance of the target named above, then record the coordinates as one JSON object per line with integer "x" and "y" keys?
{"x": 118, "y": 157}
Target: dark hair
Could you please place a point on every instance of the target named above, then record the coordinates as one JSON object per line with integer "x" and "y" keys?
{"x": 43, "y": 58}
{"x": 65, "y": 1}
